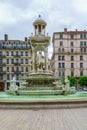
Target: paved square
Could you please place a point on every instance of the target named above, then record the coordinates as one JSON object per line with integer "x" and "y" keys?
{"x": 49, "y": 119}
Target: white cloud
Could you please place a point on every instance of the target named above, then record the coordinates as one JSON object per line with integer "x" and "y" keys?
{"x": 17, "y": 16}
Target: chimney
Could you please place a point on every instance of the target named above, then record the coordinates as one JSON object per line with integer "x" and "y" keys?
{"x": 76, "y": 30}
{"x": 26, "y": 39}
{"x": 65, "y": 29}
{"x": 6, "y": 37}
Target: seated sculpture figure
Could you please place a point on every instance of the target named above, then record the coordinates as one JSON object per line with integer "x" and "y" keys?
{"x": 40, "y": 61}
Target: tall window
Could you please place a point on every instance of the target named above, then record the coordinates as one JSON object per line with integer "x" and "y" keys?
{"x": 72, "y": 50}
{"x": 81, "y": 73}
{"x": 26, "y": 61}
{"x": 61, "y": 36}
{"x": 72, "y": 73}
{"x": 72, "y": 58}
{"x": 7, "y": 54}
{"x": 61, "y": 43}
{"x": 72, "y": 65}
{"x": 71, "y": 36}
{"x": 7, "y": 61}
{"x": 26, "y": 69}
{"x": 71, "y": 44}
{"x": 26, "y": 53}
{"x": 8, "y": 77}
{"x": 21, "y": 61}
{"x": 61, "y": 73}
{"x": 81, "y": 65}
{"x": 21, "y": 53}
{"x": 81, "y": 57}
{"x": 12, "y": 69}
{"x": 7, "y": 69}
{"x": 0, "y": 61}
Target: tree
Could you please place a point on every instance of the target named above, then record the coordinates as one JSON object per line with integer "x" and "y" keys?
{"x": 72, "y": 80}
{"x": 83, "y": 81}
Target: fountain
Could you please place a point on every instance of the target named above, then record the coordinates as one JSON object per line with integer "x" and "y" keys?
{"x": 40, "y": 80}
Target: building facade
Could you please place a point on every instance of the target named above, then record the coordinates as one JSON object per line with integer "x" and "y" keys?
{"x": 69, "y": 53}
{"x": 15, "y": 56}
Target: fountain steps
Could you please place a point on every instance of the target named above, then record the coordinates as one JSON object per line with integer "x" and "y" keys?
{"x": 35, "y": 92}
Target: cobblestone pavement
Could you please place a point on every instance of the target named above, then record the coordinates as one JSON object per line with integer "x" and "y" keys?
{"x": 49, "y": 119}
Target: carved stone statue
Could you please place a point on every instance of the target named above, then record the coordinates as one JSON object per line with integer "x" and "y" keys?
{"x": 40, "y": 61}
{"x": 13, "y": 85}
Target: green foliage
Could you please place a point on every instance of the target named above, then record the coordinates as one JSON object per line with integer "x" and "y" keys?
{"x": 72, "y": 80}
{"x": 63, "y": 81}
{"x": 83, "y": 81}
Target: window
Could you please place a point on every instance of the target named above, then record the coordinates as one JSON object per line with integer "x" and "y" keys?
{"x": 26, "y": 69}
{"x": 71, "y": 36}
{"x": 1, "y": 77}
{"x": 72, "y": 65}
{"x": 17, "y": 77}
{"x": 7, "y": 54}
{"x": 0, "y": 61}
{"x": 72, "y": 58}
{"x": 61, "y": 73}
{"x": 61, "y": 43}
{"x": 61, "y": 65}
{"x": 7, "y": 61}
{"x": 0, "y": 69}
{"x": 8, "y": 77}
{"x": 81, "y": 57}
{"x": 84, "y": 49}
{"x": 81, "y": 49}
{"x": 59, "y": 57}
{"x": 21, "y": 61}
{"x": 12, "y": 53}
{"x": 71, "y": 44}
{"x": 59, "y": 50}
{"x": 61, "y": 36}
{"x": 81, "y": 65}
{"x": 72, "y": 73}
{"x": 16, "y": 53}
{"x": 0, "y": 53}
{"x": 81, "y": 73}
{"x": 63, "y": 57}
{"x": 7, "y": 69}
{"x": 62, "y": 49}
{"x": 84, "y": 43}
{"x": 26, "y": 53}
{"x": 83, "y": 36}
{"x": 81, "y": 43}
{"x": 12, "y": 69}
{"x": 21, "y": 53}
{"x": 72, "y": 50}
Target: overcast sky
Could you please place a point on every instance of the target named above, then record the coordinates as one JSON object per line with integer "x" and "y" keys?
{"x": 17, "y": 16}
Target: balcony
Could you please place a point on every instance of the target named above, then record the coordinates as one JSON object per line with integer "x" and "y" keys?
{"x": 17, "y": 71}
{"x": 17, "y": 55}
{"x": 17, "y": 63}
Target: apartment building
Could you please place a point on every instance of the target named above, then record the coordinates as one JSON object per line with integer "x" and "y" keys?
{"x": 15, "y": 56}
{"x": 69, "y": 53}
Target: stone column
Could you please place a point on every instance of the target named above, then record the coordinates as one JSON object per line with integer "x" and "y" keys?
{"x": 46, "y": 58}
{"x": 33, "y": 59}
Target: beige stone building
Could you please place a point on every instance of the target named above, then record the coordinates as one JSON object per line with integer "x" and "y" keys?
{"x": 15, "y": 56}
{"x": 69, "y": 53}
